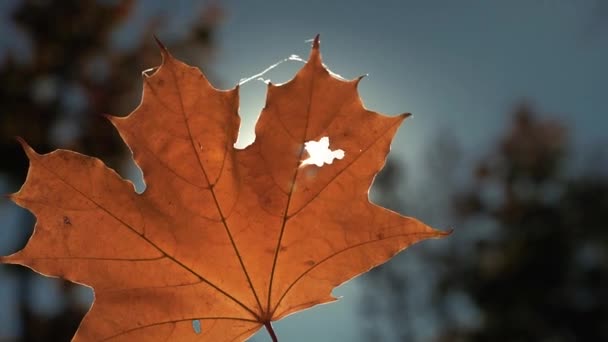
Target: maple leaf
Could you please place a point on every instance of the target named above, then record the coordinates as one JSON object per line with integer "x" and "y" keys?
{"x": 223, "y": 240}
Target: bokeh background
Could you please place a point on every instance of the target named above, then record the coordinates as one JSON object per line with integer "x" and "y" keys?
{"x": 507, "y": 145}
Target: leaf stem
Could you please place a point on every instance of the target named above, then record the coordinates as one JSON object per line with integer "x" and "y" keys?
{"x": 271, "y": 332}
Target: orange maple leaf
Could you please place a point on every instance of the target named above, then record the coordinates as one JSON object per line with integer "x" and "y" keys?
{"x": 228, "y": 239}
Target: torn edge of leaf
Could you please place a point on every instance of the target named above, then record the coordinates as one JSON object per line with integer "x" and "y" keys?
{"x": 293, "y": 57}
{"x": 259, "y": 75}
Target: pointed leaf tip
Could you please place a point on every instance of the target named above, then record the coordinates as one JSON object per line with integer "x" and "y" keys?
{"x": 7, "y": 259}
{"x": 108, "y": 117}
{"x": 159, "y": 43}
{"x": 163, "y": 49}
{"x": 440, "y": 234}
{"x": 358, "y": 79}
{"x": 113, "y": 120}
{"x": 315, "y": 44}
{"x": 29, "y": 151}
{"x": 315, "y": 52}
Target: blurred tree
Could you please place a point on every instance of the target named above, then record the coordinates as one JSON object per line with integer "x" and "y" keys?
{"x": 529, "y": 258}
{"x": 55, "y": 97}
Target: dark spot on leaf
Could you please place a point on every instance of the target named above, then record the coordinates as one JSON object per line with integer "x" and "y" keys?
{"x": 311, "y": 173}
{"x": 310, "y": 262}
{"x": 380, "y": 236}
{"x": 66, "y": 221}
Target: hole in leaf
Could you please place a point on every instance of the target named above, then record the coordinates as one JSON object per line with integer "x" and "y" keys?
{"x": 320, "y": 154}
{"x": 196, "y": 326}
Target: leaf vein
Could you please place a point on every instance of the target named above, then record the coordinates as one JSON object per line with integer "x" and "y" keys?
{"x": 340, "y": 252}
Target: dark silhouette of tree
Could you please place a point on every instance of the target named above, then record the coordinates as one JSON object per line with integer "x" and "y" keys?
{"x": 529, "y": 258}
{"x": 55, "y": 97}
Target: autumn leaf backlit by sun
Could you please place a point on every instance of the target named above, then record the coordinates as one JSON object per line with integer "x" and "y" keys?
{"x": 223, "y": 241}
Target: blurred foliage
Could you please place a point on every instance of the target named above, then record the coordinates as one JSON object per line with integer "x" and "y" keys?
{"x": 528, "y": 260}
{"x": 56, "y": 98}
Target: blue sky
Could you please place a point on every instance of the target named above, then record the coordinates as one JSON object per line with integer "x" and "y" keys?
{"x": 458, "y": 66}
